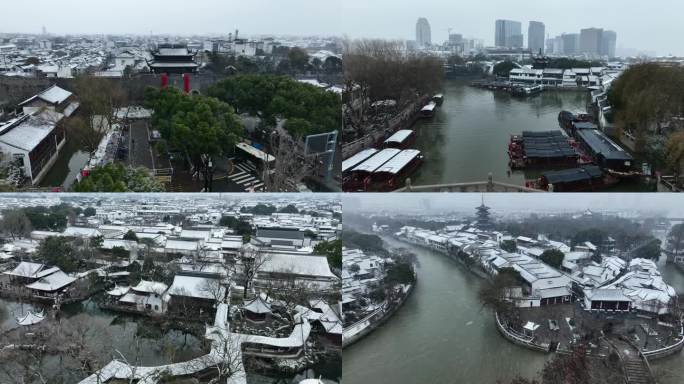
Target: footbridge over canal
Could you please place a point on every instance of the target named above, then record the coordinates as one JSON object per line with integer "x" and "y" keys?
{"x": 635, "y": 365}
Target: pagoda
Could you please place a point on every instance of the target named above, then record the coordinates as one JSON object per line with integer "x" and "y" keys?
{"x": 483, "y": 219}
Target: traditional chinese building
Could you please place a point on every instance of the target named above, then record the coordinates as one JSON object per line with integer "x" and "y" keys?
{"x": 173, "y": 60}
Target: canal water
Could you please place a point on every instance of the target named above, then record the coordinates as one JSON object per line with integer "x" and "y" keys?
{"x": 111, "y": 331}
{"x": 69, "y": 163}
{"x": 468, "y": 137}
{"x": 442, "y": 335}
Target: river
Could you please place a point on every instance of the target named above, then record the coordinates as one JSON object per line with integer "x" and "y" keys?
{"x": 468, "y": 136}
{"x": 442, "y": 335}
{"x": 113, "y": 331}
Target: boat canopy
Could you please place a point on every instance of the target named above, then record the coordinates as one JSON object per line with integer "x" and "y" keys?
{"x": 601, "y": 144}
{"x": 399, "y": 136}
{"x": 358, "y": 159}
{"x": 398, "y": 162}
{"x": 550, "y": 144}
{"x": 586, "y": 173}
{"x": 429, "y": 108}
{"x": 377, "y": 160}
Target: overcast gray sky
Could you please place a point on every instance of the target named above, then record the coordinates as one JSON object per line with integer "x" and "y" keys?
{"x": 252, "y": 17}
{"x": 654, "y": 25}
{"x": 670, "y": 204}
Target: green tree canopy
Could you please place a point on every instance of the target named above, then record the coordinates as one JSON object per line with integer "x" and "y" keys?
{"x": 59, "y": 252}
{"x": 675, "y": 238}
{"x": 289, "y": 209}
{"x": 201, "y": 127}
{"x": 89, "y": 212}
{"x": 368, "y": 243}
{"x": 509, "y": 246}
{"x": 118, "y": 178}
{"x": 15, "y": 223}
{"x": 130, "y": 235}
{"x": 332, "y": 250}
{"x": 309, "y": 109}
{"x": 399, "y": 273}
{"x": 504, "y": 68}
{"x": 553, "y": 257}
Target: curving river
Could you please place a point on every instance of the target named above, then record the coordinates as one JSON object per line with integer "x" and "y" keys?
{"x": 442, "y": 335}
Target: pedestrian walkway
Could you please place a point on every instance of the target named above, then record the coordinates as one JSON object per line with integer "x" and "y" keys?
{"x": 634, "y": 363}
{"x": 245, "y": 175}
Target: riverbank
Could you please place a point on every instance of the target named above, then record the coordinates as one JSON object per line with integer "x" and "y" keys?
{"x": 403, "y": 119}
{"x": 364, "y": 327}
{"x": 544, "y": 339}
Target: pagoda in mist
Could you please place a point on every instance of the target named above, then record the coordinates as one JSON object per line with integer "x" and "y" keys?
{"x": 483, "y": 217}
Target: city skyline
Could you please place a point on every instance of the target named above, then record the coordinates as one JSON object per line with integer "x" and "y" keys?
{"x": 382, "y": 19}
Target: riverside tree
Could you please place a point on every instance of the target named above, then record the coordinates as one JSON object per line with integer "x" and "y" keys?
{"x": 380, "y": 70}
{"x": 646, "y": 98}
{"x": 99, "y": 99}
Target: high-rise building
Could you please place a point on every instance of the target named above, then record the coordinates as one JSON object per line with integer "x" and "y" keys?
{"x": 571, "y": 43}
{"x": 608, "y": 43}
{"x": 535, "y": 36}
{"x": 508, "y": 34}
{"x": 423, "y": 34}
{"x": 590, "y": 41}
{"x": 455, "y": 38}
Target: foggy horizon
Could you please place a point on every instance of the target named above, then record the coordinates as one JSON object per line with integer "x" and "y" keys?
{"x": 514, "y": 203}
{"x": 658, "y": 33}
{"x": 173, "y": 17}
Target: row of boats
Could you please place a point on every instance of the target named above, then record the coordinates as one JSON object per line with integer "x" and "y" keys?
{"x": 515, "y": 89}
{"x": 589, "y": 160}
{"x": 386, "y": 167}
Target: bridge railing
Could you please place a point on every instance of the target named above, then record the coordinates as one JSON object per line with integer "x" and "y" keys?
{"x": 477, "y": 186}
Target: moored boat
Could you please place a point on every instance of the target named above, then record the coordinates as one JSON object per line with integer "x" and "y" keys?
{"x": 428, "y": 110}
{"x": 392, "y": 174}
{"x": 438, "y": 99}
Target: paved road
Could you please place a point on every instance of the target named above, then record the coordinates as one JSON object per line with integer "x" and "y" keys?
{"x": 140, "y": 154}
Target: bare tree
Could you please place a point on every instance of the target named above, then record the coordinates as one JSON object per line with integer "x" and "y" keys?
{"x": 214, "y": 289}
{"x": 290, "y": 165}
{"x": 100, "y": 98}
{"x": 252, "y": 259}
{"x": 15, "y": 223}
